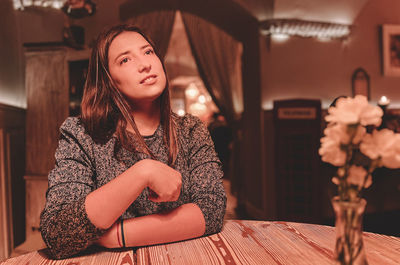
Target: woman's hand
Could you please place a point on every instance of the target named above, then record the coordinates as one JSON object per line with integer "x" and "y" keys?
{"x": 163, "y": 181}
{"x": 110, "y": 238}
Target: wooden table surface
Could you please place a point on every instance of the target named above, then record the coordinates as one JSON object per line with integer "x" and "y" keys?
{"x": 240, "y": 242}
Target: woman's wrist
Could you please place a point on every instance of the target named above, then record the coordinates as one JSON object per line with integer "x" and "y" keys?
{"x": 111, "y": 239}
{"x": 118, "y": 236}
{"x": 140, "y": 171}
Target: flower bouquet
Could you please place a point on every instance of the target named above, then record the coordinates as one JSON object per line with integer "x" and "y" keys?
{"x": 354, "y": 145}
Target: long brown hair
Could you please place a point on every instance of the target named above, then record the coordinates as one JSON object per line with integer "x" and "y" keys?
{"x": 105, "y": 111}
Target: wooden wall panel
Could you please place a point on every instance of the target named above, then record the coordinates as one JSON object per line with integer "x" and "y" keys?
{"x": 47, "y": 78}
{"x": 6, "y": 238}
{"x": 269, "y": 182}
{"x": 12, "y": 165}
{"x": 47, "y": 107}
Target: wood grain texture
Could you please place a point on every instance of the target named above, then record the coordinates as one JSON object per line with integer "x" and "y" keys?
{"x": 6, "y": 238}
{"x": 47, "y": 85}
{"x": 47, "y": 80}
{"x": 12, "y": 169}
{"x": 100, "y": 258}
{"x": 257, "y": 242}
{"x": 240, "y": 242}
{"x": 11, "y": 117}
{"x": 36, "y": 187}
{"x": 47, "y": 99}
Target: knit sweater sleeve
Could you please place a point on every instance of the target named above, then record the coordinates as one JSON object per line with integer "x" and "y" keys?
{"x": 64, "y": 225}
{"x": 206, "y": 175}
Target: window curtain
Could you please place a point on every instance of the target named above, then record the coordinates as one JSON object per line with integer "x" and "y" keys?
{"x": 218, "y": 59}
{"x": 158, "y": 26}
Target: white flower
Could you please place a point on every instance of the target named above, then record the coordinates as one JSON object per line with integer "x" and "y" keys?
{"x": 349, "y": 146}
{"x": 343, "y": 133}
{"x": 391, "y": 161}
{"x": 330, "y": 151}
{"x": 336, "y": 136}
{"x": 384, "y": 145}
{"x": 353, "y": 111}
{"x": 356, "y": 176}
{"x": 337, "y": 133}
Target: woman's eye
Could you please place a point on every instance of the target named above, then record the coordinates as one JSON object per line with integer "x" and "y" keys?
{"x": 125, "y": 60}
{"x": 149, "y": 52}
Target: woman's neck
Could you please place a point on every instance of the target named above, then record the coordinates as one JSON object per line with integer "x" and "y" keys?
{"x": 147, "y": 118}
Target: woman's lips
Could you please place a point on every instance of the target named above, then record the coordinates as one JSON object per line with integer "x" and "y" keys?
{"x": 149, "y": 80}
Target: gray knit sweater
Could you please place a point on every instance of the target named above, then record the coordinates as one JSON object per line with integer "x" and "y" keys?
{"x": 83, "y": 166}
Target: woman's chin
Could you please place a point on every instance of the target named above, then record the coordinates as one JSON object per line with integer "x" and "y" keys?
{"x": 145, "y": 99}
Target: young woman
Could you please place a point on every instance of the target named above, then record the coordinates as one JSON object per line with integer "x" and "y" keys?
{"x": 128, "y": 171}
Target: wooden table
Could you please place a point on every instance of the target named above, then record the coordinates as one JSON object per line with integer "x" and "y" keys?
{"x": 240, "y": 242}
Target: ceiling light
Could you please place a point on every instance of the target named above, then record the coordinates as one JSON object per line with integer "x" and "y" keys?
{"x": 197, "y": 109}
{"x": 21, "y": 4}
{"x": 280, "y": 37}
{"x": 181, "y": 112}
{"x": 202, "y": 99}
{"x": 192, "y": 91}
{"x": 303, "y": 28}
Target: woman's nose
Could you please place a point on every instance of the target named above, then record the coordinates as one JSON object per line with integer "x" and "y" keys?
{"x": 144, "y": 67}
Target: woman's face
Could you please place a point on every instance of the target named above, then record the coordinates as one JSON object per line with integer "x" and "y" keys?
{"x": 135, "y": 68}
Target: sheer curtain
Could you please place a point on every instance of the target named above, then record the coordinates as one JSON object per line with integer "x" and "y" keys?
{"x": 158, "y": 26}
{"x": 218, "y": 59}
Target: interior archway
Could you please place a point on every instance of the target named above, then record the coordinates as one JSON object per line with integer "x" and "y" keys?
{"x": 187, "y": 90}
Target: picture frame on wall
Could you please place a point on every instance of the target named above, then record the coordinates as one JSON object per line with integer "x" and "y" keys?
{"x": 391, "y": 50}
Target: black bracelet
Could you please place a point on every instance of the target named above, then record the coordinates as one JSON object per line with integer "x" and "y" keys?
{"x": 122, "y": 233}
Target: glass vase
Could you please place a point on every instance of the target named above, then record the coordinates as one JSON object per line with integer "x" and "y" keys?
{"x": 349, "y": 248}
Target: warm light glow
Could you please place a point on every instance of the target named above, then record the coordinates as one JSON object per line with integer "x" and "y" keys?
{"x": 192, "y": 91}
{"x": 181, "y": 112}
{"x": 383, "y": 101}
{"x": 279, "y": 37}
{"x": 202, "y": 99}
{"x": 8, "y": 98}
{"x": 178, "y": 105}
{"x": 198, "y": 109}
